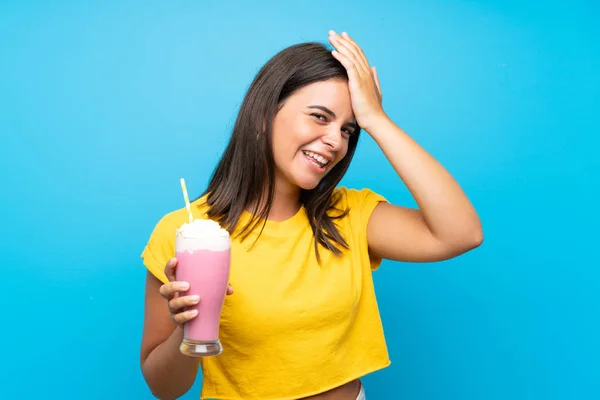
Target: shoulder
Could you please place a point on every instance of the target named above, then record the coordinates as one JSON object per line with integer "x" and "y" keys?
{"x": 355, "y": 198}
{"x": 359, "y": 203}
{"x": 160, "y": 246}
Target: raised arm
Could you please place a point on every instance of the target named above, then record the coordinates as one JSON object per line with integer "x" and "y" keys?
{"x": 445, "y": 223}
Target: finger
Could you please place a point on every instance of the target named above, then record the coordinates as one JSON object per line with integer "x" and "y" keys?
{"x": 348, "y": 64}
{"x": 344, "y": 48}
{"x": 171, "y": 288}
{"x": 357, "y": 49}
{"x": 356, "y": 52}
{"x": 377, "y": 82}
{"x": 183, "y": 317}
{"x": 170, "y": 269}
{"x": 229, "y": 289}
{"x": 181, "y": 302}
{"x": 353, "y": 43}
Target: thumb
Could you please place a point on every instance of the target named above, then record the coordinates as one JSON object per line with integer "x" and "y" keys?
{"x": 170, "y": 269}
{"x": 376, "y": 81}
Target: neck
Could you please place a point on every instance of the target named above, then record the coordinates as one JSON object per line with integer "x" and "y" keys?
{"x": 286, "y": 201}
{"x": 285, "y": 205}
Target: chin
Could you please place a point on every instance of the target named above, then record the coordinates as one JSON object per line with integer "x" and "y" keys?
{"x": 307, "y": 184}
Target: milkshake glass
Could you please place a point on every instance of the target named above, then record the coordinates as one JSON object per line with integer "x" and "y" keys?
{"x": 203, "y": 251}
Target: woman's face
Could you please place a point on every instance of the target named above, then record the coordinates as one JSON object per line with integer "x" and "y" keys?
{"x": 311, "y": 133}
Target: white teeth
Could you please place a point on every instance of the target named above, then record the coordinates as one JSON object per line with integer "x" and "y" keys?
{"x": 317, "y": 157}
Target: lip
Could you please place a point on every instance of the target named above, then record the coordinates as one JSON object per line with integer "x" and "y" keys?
{"x": 312, "y": 164}
{"x": 329, "y": 158}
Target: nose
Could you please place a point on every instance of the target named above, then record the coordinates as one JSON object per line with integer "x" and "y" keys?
{"x": 333, "y": 138}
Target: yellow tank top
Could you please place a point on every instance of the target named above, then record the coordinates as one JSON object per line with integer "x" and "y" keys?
{"x": 293, "y": 328}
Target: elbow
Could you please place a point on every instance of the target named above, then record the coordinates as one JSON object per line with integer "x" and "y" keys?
{"x": 467, "y": 240}
{"x": 158, "y": 394}
{"x": 462, "y": 244}
{"x": 161, "y": 394}
{"x": 166, "y": 393}
{"x": 477, "y": 240}
{"x": 165, "y": 396}
{"x": 475, "y": 237}
{"x": 163, "y": 390}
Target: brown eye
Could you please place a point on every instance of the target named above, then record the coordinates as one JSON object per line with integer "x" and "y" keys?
{"x": 318, "y": 116}
{"x": 348, "y": 131}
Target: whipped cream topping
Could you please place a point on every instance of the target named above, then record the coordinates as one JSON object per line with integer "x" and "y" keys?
{"x": 202, "y": 234}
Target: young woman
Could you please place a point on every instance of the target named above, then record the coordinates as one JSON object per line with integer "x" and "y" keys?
{"x": 303, "y": 322}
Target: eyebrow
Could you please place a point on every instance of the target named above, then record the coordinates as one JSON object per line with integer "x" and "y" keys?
{"x": 332, "y": 114}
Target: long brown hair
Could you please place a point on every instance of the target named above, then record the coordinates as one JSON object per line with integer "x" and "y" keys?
{"x": 247, "y": 167}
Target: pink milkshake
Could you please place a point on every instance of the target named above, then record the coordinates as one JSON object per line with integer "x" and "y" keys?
{"x": 203, "y": 251}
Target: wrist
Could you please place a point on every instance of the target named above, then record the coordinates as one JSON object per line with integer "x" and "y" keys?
{"x": 377, "y": 123}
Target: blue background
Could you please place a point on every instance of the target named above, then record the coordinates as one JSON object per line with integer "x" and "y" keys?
{"x": 105, "y": 105}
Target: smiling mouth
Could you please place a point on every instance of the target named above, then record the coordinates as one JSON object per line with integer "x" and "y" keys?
{"x": 316, "y": 159}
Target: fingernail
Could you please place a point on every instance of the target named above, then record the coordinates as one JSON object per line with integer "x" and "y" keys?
{"x": 332, "y": 32}
{"x": 344, "y": 34}
{"x": 193, "y": 313}
{"x": 184, "y": 286}
{"x": 195, "y": 299}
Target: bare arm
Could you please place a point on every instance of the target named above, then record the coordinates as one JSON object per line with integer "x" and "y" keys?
{"x": 168, "y": 373}
{"x": 445, "y": 224}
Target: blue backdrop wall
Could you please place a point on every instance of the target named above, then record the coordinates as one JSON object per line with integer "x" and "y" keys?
{"x": 105, "y": 105}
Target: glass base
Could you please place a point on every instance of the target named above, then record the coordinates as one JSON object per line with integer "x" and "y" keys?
{"x": 194, "y": 348}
